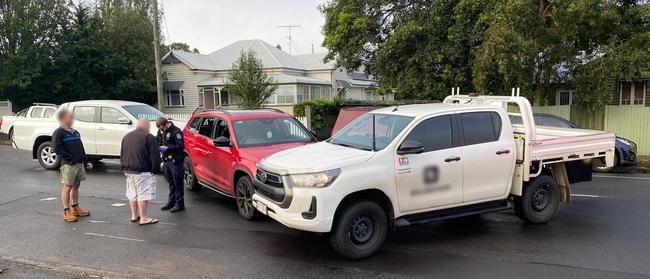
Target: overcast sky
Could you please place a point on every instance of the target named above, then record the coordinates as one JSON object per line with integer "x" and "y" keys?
{"x": 211, "y": 24}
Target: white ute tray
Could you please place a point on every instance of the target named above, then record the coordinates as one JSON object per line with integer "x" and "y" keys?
{"x": 562, "y": 144}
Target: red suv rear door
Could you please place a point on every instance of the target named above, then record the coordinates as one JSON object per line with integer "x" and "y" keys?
{"x": 199, "y": 147}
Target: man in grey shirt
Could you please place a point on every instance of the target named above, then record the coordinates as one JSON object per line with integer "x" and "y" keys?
{"x": 140, "y": 161}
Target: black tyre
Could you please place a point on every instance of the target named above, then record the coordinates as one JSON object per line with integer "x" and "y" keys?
{"x": 244, "y": 195}
{"x": 540, "y": 200}
{"x": 359, "y": 229}
{"x": 189, "y": 177}
{"x": 47, "y": 157}
{"x": 11, "y": 135}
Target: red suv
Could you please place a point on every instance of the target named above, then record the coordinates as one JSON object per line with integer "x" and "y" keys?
{"x": 224, "y": 146}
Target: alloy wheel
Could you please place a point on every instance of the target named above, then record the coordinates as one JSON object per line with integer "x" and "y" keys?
{"x": 244, "y": 198}
{"x": 48, "y": 156}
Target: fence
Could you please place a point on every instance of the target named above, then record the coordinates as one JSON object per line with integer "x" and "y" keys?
{"x": 629, "y": 122}
{"x": 5, "y": 108}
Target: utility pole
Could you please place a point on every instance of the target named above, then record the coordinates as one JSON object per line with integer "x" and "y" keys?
{"x": 289, "y": 27}
{"x": 156, "y": 53}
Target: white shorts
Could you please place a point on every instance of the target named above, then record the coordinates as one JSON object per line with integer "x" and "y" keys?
{"x": 140, "y": 186}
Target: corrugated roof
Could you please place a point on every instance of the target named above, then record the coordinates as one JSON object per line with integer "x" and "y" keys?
{"x": 271, "y": 56}
{"x": 196, "y": 61}
{"x": 215, "y": 81}
{"x": 222, "y": 59}
{"x": 299, "y": 79}
{"x": 283, "y": 78}
{"x": 314, "y": 61}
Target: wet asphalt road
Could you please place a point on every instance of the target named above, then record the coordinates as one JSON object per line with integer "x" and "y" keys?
{"x": 604, "y": 233}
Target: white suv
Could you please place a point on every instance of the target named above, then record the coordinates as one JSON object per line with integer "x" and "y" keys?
{"x": 101, "y": 123}
{"x": 407, "y": 165}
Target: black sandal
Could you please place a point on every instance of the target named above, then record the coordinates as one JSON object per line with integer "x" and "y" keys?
{"x": 153, "y": 221}
{"x": 136, "y": 219}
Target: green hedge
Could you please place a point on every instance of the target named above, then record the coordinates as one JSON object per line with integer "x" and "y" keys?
{"x": 323, "y": 115}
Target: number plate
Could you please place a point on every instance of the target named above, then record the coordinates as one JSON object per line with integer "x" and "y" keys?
{"x": 261, "y": 208}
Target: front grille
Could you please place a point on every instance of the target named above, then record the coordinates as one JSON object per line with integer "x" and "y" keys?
{"x": 269, "y": 185}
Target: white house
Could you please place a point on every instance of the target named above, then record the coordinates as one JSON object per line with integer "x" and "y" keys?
{"x": 193, "y": 80}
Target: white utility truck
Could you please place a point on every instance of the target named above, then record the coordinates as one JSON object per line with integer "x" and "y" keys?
{"x": 38, "y": 110}
{"x": 413, "y": 164}
{"x": 102, "y": 125}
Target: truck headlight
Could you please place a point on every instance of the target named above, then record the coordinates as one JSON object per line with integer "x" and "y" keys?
{"x": 315, "y": 180}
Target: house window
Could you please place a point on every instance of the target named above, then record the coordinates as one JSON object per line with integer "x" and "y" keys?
{"x": 285, "y": 94}
{"x": 319, "y": 92}
{"x": 201, "y": 101}
{"x": 175, "y": 98}
{"x": 312, "y": 92}
{"x": 564, "y": 97}
{"x": 633, "y": 93}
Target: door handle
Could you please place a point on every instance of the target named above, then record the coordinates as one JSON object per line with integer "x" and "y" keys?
{"x": 453, "y": 158}
{"x": 101, "y": 129}
{"x": 503, "y": 151}
{"x": 203, "y": 151}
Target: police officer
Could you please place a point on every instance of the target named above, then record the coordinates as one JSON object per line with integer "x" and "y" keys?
{"x": 171, "y": 143}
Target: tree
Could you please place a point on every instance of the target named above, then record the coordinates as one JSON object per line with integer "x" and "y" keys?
{"x": 533, "y": 44}
{"x": 416, "y": 48}
{"x": 30, "y": 33}
{"x": 178, "y": 46}
{"x": 249, "y": 82}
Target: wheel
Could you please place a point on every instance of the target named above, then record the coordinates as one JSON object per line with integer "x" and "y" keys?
{"x": 244, "y": 195}
{"x": 189, "y": 178}
{"x": 599, "y": 165}
{"x": 11, "y": 135}
{"x": 359, "y": 230}
{"x": 539, "y": 201}
{"x": 47, "y": 157}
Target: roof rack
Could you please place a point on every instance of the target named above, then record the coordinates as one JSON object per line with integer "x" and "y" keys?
{"x": 219, "y": 109}
{"x": 228, "y": 111}
{"x": 46, "y": 104}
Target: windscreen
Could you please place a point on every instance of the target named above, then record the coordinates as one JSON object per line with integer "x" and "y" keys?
{"x": 269, "y": 131}
{"x": 144, "y": 111}
{"x": 371, "y": 131}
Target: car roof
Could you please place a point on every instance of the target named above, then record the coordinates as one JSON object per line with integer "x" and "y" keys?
{"x": 105, "y": 102}
{"x": 428, "y": 109}
{"x": 243, "y": 114}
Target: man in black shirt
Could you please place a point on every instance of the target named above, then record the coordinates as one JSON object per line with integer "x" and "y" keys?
{"x": 68, "y": 146}
{"x": 171, "y": 143}
{"x": 140, "y": 161}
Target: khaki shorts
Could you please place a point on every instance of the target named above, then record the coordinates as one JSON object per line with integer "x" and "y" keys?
{"x": 140, "y": 186}
{"x": 71, "y": 174}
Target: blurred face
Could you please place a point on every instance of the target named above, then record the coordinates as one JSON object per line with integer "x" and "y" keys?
{"x": 67, "y": 119}
{"x": 143, "y": 124}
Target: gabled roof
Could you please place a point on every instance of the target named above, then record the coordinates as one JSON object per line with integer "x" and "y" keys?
{"x": 271, "y": 57}
{"x": 195, "y": 61}
{"x": 314, "y": 61}
{"x": 222, "y": 59}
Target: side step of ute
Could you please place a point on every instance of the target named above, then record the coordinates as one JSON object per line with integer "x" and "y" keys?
{"x": 443, "y": 214}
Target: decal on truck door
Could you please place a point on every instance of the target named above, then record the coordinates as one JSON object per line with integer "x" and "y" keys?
{"x": 403, "y": 165}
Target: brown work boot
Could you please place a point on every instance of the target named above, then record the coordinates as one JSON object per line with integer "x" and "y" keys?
{"x": 78, "y": 212}
{"x": 68, "y": 216}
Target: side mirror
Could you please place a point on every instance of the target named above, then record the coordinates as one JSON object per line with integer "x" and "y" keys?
{"x": 410, "y": 147}
{"x": 124, "y": 120}
{"x": 222, "y": 142}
